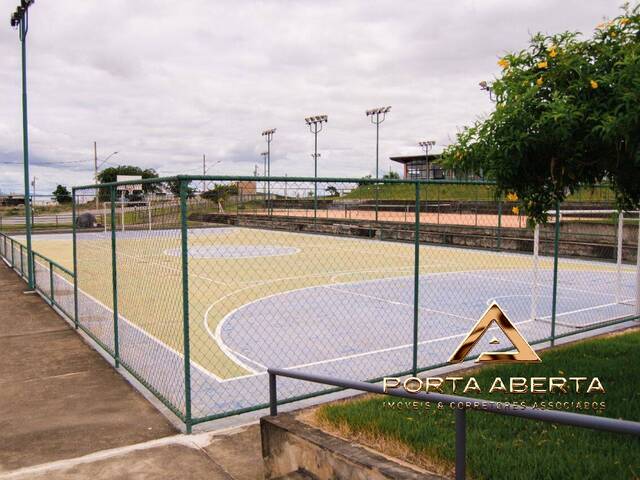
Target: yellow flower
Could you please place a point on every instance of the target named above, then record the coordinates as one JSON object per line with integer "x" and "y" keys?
{"x": 539, "y": 81}
{"x": 594, "y": 84}
{"x": 515, "y": 210}
{"x": 503, "y": 62}
{"x": 613, "y": 34}
{"x": 553, "y": 53}
{"x": 542, "y": 65}
{"x": 512, "y": 197}
{"x": 624, "y": 21}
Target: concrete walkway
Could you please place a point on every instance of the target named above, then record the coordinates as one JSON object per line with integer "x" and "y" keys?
{"x": 66, "y": 413}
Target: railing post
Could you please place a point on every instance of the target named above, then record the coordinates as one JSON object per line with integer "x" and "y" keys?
{"x": 273, "y": 395}
{"x": 185, "y": 303}
{"x": 554, "y": 299}
{"x": 461, "y": 443}
{"x": 53, "y": 298}
{"x": 76, "y": 314}
{"x": 416, "y": 279}
{"x": 114, "y": 278}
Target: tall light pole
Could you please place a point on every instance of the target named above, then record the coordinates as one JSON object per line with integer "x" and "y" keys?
{"x": 268, "y": 134}
{"x": 315, "y": 126}
{"x": 375, "y": 115}
{"x": 264, "y": 172}
{"x": 427, "y": 145}
{"x": 20, "y": 20}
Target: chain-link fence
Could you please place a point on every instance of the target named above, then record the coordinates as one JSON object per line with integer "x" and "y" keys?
{"x": 197, "y": 293}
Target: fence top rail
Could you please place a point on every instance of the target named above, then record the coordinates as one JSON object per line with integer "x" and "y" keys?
{"x": 46, "y": 259}
{"x": 251, "y": 178}
{"x": 551, "y": 416}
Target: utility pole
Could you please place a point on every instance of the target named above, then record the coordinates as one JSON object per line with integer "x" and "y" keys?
{"x": 204, "y": 172}
{"x": 315, "y": 126}
{"x": 20, "y": 20}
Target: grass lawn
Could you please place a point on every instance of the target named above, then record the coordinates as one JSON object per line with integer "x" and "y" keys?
{"x": 451, "y": 191}
{"x": 500, "y": 447}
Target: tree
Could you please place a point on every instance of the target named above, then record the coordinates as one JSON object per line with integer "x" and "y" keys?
{"x": 391, "y": 176}
{"x": 61, "y": 195}
{"x": 221, "y": 192}
{"x": 332, "y": 191}
{"x": 111, "y": 174}
{"x": 362, "y": 184}
{"x": 567, "y": 115}
{"x": 174, "y": 188}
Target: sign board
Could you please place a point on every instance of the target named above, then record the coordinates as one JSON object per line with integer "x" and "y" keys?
{"x": 129, "y": 188}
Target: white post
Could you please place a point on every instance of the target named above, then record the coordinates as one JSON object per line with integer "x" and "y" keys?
{"x": 149, "y": 211}
{"x": 122, "y": 210}
{"x": 104, "y": 215}
{"x": 619, "y": 258}
{"x": 534, "y": 286}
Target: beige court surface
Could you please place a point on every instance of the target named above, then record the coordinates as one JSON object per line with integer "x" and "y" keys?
{"x": 232, "y": 267}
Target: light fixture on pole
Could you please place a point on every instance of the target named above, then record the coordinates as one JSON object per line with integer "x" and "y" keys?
{"x": 427, "y": 145}
{"x": 20, "y": 20}
{"x": 315, "y": 124}
{"x": 377, "y": 116}
{"x": 269, "y": 137}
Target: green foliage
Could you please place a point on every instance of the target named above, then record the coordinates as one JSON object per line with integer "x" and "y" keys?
{"x": 360, "y": 184}
{"x": 221, "y": 192}
{"x": 332, "y": 191}
{"x": 174, "y": 188}
{"x": 525, "y": 449}
{"x": 567, "y": 115}
{"x": 391, "y": 176}
{"x": 110, "y": 174}
{"x": 62, "y": 194}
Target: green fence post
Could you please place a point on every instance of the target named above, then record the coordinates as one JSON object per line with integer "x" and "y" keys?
{"x": 114, "y": 277}
{"x": 185, "y": 302}
{"x": 416, "y": 279}
{"x": 33, "y": 264}
{"x": 13, "y": 263}
{"x": 499, "y": 243}
{"x": 21, "y": 261}
{"x": 555, "y": 275}
{"x": 75, "y": 258}
{"x": 53, "y": 301}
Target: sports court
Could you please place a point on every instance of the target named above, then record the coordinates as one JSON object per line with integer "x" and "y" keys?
{"x": 336, "y": 305}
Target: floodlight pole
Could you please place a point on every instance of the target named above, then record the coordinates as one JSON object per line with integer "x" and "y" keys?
{"x": 374, "y": 114}
{"x": 269, "y": 137}
{"x": 315, "y": 124}
{"x": 264, "y": 172}
{"x": 427, "y": 145}
{"x": 20, "y": 19}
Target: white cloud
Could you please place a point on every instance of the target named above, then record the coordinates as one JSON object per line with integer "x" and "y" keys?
{"x": 164, "y": 82}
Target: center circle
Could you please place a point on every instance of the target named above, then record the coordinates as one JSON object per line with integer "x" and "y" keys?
{"x": 233, "y": 251}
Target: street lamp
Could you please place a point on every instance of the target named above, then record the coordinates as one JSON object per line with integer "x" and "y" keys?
{"x": 315, "y": 126}
{"x": 374, "y": 115}
{"x": 427, "y": 145}
{"x": 20, "y": 20}
{"x": 269, "y": 137}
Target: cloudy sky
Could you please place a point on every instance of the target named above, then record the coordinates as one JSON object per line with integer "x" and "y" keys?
{"x": 163, "y": 82}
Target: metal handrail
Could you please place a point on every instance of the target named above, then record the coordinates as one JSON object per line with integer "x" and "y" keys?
{"x": 461, "y": 405}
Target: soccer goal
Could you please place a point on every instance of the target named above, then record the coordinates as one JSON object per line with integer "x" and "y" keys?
{"x": 129, "y": 215}
{"x": 617, "y": 272}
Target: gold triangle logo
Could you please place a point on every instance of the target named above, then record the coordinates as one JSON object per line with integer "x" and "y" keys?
{"x": 523, "y": 352}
